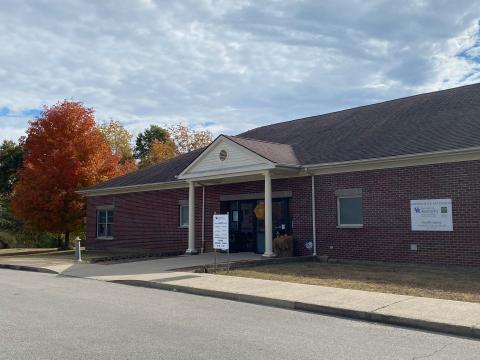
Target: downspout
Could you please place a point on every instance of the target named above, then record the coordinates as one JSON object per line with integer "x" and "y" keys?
{"x": 203, "y": 220}
{"x": 314, "y": 225}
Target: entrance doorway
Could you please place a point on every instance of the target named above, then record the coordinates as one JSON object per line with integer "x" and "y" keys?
{"x": 247, "y": 222}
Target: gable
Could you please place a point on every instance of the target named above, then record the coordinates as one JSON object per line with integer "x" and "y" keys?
{"x": 235, "y": 159}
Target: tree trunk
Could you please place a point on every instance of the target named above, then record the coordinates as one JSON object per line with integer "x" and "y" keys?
{"x": 67, "y": 240}
{"x": 59, "y": 241}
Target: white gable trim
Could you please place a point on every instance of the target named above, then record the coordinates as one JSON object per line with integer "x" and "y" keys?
{"x": 256, "y": 163}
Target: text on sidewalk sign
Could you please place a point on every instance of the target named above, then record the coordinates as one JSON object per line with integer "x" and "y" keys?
{"x": 220, "y": 232}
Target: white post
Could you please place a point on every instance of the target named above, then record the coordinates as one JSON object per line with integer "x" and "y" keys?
{"x": 268, "y": 216}
{"x": 78, "y": 253}
{"x": 191, "y": 219}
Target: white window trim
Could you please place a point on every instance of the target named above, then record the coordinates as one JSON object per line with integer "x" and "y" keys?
{"x": 348, "y": 226}
{"x": 180, "y": 206}
{"x": 103, "y": 208}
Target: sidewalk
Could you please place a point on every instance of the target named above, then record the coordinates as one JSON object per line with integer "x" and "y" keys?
{"x": 453, "y": 317}
{"x": 447, "y": 316}
{"x": 46, "y": 265}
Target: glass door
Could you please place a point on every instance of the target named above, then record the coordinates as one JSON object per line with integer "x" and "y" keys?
{"x": 281, "y": 221}
{"x": 260, "y": 216}
{"x": 243, "y": 225}
{"x": 247, "y": 223}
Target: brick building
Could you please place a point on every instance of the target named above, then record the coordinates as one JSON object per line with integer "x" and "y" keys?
{"x": 394, "y": 181}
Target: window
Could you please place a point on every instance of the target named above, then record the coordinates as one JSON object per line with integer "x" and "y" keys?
{"x": 349, "y": 208}
{"x": 105, "y": 223}
{"x": 183, "y": 215}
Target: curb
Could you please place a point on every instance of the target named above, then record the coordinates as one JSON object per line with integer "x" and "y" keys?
{"x": 445, "y": 328}
{"x": 27, "y": 268}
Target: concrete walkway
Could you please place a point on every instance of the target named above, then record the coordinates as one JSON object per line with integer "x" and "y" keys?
{"x": 39, "y": 264}
{"x": 99, "y": 271}
{"x": 152, "y": 267}
{"x": 454, "y": 317}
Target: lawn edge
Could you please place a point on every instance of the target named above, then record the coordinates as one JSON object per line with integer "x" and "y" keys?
{"x": 29, "y": 252}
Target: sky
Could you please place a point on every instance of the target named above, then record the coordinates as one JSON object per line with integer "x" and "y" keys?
{"x": 224, "y": 65}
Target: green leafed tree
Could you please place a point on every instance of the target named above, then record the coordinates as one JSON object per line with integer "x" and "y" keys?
{"x": 145, "y": 140}
{"x": 11, "y": 155}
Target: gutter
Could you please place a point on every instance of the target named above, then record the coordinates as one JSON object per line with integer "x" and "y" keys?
{"x": 444, "y": 156}
{"x": 134, "y": 188}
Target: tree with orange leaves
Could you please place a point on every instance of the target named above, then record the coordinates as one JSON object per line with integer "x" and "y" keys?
{"x": 159, "y": 151}
{"x": 64, "y": 152}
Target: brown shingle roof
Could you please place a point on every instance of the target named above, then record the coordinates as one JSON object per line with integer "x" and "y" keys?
{"x": 442, "y": 120}
{"x": 275, "y": 152}
{"x": 162, "y": 172}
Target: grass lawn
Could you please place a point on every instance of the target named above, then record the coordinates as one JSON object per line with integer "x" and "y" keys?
{"x": 436, "y": 282}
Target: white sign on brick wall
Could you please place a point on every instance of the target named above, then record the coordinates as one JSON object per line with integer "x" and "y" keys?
{"x": 431, "y": 215}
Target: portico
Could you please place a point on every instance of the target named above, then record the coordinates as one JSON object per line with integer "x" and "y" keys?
{"x": 226, "y": 161}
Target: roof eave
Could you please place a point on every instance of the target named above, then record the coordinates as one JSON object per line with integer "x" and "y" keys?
{"x": 427, "y": 158}
{"x": 437, "y": 157}
{"x": 134, "y": 188}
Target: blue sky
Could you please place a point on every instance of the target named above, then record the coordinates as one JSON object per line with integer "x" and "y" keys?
{"x": 227, "y": 65}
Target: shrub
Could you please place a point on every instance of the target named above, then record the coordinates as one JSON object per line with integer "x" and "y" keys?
{"x": 7, "y": 240}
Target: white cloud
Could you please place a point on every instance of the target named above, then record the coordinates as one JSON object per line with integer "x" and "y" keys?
{"x": 451, "y": 68}
{"x": 12, "y": 132}
{"x": 231, "y": 65}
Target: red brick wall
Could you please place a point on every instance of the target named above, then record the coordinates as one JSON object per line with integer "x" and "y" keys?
{"x": 387, "y": 235}
{"x": 150, "y": 220}
{"x": 300, "y": 206}
{"x": 144, "y": 220}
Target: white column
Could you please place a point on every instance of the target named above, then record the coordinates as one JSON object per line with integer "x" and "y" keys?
{"x": 268, "y": 216}
{"x": 191, "y": 219}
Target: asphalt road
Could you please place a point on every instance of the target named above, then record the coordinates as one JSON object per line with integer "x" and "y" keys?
{"x": 44, "y": 316}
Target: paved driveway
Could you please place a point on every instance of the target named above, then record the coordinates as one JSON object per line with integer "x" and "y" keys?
{"x": 49, "y": 317}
